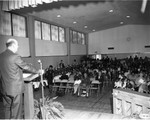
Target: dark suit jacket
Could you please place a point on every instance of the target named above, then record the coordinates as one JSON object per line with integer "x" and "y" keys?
{"x": 11, "y": 78}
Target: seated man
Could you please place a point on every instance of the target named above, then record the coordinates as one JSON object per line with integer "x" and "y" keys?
{"x": 85, "y": 84}
{"x": 61, "y": 64}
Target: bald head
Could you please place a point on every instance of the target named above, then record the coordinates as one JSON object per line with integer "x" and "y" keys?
{"x": 12, "y": 44}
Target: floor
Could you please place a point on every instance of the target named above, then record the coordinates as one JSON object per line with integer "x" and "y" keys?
{"x": 94, "y": 106}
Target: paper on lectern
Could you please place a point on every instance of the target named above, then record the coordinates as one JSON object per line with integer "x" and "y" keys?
{"x": 25, "y": 75}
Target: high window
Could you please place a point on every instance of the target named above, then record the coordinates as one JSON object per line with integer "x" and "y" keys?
{"x": 46, "y": 31}
{"x": 77, "y": 37}
{"x": 12, "y": 24}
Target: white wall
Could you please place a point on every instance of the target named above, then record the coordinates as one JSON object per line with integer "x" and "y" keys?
{"x": 77, "y": 49}
{"x": 124, "y": 39}
{"x": 50, "y": 48}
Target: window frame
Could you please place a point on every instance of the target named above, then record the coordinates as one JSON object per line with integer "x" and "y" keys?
{"x": 25, "y": 24}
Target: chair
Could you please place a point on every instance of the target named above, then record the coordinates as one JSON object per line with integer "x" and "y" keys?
{"x": 95, "y": 86}
{"x": 56, "y": 85}
{"x": 63, "y": 85}
{"x": 83, "y": 90}
{"x": 70, "y": 86}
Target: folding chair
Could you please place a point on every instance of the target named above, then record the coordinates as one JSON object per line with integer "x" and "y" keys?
{"x": 84, "y": 90}
{"x": 63, "y": 85}
{"x": 95, "y": 87}
{"x": 56, "y": 85}
{"x": 70, "y": 86}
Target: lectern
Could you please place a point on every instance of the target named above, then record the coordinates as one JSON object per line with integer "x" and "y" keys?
{"x": 28, "y": 95}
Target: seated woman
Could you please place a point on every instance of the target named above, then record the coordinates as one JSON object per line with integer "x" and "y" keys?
{"x": 77, "y": 82}
{"x": 142, "y": 83}
{"x": 139, "y": 81}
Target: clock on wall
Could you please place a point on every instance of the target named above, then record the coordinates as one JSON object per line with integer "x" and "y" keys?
{"x": 128, "y": 39}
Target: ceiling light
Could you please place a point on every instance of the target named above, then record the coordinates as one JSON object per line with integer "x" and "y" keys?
{"x": 128, "y": 16}
{"x": 121, "y": 22}
{"x": 110, "y": 10}
{"x": 34, "y": 5}
{"x": 85, "y": 26}
{"x": 58, "y": 16}
{"x": 93, "y": 30}
{"x": 74, "y": 22}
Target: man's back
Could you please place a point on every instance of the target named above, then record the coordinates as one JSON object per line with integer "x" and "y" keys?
{"x": 12, "y": 82}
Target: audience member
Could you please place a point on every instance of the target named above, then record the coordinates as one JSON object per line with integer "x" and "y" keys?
{"x": 49, "y": 76}
{"x": 77, "y": 82}
{"x": 61, "y": 64}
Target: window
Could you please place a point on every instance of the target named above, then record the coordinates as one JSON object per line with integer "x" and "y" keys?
{"x": 37, "y": 28}
{"x": 71, "y": 35}
{"x": 19, "y": 25}
{"x": 74, "y": 37}
{"x": 46, "y": 31}
{"x": 5, "y": 23}
{"x": 83, "y": 39}
{"x": 77, "y": 37}
{"x": 54, "y": 30}
{"x": 61, "y": 34}
{"x": 12, "y": 24}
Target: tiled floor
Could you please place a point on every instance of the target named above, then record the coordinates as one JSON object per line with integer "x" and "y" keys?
{"x": 100, "y": 104}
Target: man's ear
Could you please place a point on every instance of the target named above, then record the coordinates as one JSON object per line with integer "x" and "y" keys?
{"x": 13, "y": 46}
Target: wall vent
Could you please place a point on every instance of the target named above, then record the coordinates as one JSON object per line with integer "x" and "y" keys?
{"x": 110, "y": 48}
{"x": 147, "y": 46}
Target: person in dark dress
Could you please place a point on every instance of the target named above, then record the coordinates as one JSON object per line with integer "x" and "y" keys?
{"x": 49, "y": 76}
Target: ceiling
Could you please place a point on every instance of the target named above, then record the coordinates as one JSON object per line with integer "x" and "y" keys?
{"x": 94, "y": 15}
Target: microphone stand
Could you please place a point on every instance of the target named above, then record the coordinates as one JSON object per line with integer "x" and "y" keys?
{"x": 41, "y": 76}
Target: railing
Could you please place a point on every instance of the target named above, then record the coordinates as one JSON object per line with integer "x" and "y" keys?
{"x": 127, "y": 102}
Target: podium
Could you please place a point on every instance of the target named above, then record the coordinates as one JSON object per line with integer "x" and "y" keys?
{"x": 28, "y": 96}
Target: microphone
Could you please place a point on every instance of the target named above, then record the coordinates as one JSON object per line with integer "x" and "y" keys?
{"x": 39, "y": 61}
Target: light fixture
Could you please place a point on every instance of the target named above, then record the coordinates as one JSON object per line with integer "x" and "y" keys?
{"x": 93, "y": 30}
{"x": 144, "y": 2}
{"x": 111, "y": 11}
{"x": 34, "y": 5}
{"x": 121, "y": 22}
{"x": 85, "y": 26}
{"x": 128, "y": 16}
{"x": 58, "y": 16}
{"x": 74, "y": 22}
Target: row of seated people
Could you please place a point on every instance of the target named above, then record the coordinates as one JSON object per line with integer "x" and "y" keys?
{"x": 132, "y": 73}
{"x": 106, "y": 71}
{"x": 49, "y": 74}
{"x": 139, "y": 82}
{"x": 102, "y": 75}
{"x": 128, "y": 73}
{"x": 80, "y": 81}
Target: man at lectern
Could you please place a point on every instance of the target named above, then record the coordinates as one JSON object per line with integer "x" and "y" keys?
{"x": 11, "y": 79}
